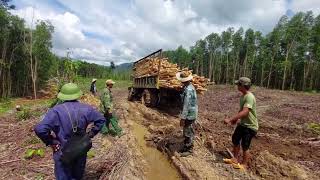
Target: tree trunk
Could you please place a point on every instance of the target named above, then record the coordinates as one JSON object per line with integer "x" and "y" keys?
{"x": 251, "y": 69}
{"x": 312, "y": 76}
{"x": 220, "y": 69}
{"x": 262, "y": 75}
{"x": 197, "y": 66}
{"x": 34, "y": 79}
{"x": 213, "y": 68}
{"x": 285, "y": 72}
{"x": 235, "y": 67}
{"x": 245, "y": 65}
{"x": 227, "y": 69}
{"x": 270, "y": 71}
{"x": 33, "y": 68}
{"x": 210, "y": 66}
{"x": 201, "y": 72}
{"x": 285, "y": 66}
{"x": 306, "y": 69}
{"x": 292, "y": 79}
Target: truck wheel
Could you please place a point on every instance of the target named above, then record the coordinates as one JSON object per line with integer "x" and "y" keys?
{"x": 149, "y": 98}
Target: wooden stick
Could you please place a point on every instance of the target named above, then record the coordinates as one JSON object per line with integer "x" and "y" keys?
{"x": 5, "y": 162}
{"x": 230, "y": 153}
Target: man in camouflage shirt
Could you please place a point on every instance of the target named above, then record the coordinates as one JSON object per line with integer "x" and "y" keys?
{"x": 106, "y": 107}
{"x": 189, "y": 112}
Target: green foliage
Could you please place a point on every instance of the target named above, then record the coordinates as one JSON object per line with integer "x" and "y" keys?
{"x": 314, "y": 127}
{"x": 24, "y": 114}
{"x": 286, "y": 58}
{"x": 28, "y": 58}
{"x": 84, "y": 84}
{"x": 5, "y": 105}
{"x": 40, "y": 152}
{"x": 91, "y": 154}
{"x": 30, "y": 153}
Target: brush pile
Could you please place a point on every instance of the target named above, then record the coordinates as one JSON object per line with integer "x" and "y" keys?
{"x": 90, "y": 100}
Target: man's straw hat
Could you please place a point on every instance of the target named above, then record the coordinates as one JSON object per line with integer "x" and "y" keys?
{"x": 109, "y": 81}
{"x": 184, "y": 77}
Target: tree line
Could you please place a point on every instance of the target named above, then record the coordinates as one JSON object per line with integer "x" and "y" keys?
{"x": 26, "y": 60}
{"x": 287, "y": 58}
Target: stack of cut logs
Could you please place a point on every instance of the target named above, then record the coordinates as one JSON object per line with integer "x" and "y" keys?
{"x": 167, "y": 74}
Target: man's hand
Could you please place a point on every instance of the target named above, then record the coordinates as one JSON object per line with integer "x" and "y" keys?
{"x": 90, "y": 134}
{"x": 235, "y": 122}
{"x": 182, "y": 122}
{"x": 228, "y": 121}
{"x": 55, "y": 147}
{"x": 108, "y": 114}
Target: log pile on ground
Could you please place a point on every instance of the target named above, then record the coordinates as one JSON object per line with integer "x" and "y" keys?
{"x": 90, "y": 100}
{"x": 167, "y": 74}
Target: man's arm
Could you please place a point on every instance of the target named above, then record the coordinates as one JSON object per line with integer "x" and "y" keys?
{"x": 241, "y": 114}
{"x": 44, "y": 128}
{"x": 248, "y": 103}
{"x": 98, "y": 120}
{"x": 186, "y": 100}
{"x": 106, "y": 101}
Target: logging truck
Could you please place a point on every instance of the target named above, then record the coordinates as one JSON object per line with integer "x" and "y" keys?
{"x": 148, "y": 89}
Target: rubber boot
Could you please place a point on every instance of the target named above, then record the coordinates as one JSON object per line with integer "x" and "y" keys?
{"x": 186, "y": 151}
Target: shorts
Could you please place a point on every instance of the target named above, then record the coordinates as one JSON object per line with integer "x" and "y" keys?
{"x": 244, "y": 135}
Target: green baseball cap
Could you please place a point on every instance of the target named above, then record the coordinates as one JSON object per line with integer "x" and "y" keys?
{"x": 244, "y": 81}
{"x": 69, "y": 92}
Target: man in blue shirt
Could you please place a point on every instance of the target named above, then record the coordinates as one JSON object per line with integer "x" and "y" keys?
{"x": 56, "y": 129}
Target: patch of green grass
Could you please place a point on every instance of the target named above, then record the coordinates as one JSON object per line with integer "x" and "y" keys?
{"x": 314, "y": 127}
{"x": 85, "y": 83}
{"x": 5, "y": 105}
{"x": 24, "y": 114}
{"x": 37, "y": 113}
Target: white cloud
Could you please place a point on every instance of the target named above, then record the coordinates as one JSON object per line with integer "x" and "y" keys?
{"x": 104, "y": 30}
{"x": 309, "y": 5}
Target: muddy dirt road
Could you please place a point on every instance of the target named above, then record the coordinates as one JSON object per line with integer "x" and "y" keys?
{"x": 284, "y": 148}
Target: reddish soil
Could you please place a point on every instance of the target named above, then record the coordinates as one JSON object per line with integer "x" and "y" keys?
{"x": 283, "y": 118}
{"x": 284, "y": 147}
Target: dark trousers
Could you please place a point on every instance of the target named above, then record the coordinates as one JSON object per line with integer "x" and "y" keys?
{"x": 70, "y": 172}
{"x": 108, "y": 117}
{"x": 188, "y": 133}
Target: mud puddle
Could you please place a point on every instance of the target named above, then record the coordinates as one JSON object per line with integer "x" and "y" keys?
{"x": 159, "y": 167}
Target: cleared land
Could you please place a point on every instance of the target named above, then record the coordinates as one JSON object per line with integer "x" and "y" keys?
{"x": 285, "y": 147}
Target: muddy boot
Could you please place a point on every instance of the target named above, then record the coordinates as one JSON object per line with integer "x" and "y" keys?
{"x": 186, "y": 151}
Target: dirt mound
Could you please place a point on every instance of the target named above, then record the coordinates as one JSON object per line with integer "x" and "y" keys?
{"x": 269, "y": 166}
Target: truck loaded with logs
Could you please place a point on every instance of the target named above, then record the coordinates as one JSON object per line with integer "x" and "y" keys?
{"x": 154, "y": 81}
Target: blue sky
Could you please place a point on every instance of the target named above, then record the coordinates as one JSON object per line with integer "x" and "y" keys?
{"x": 122, "y": 31}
